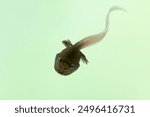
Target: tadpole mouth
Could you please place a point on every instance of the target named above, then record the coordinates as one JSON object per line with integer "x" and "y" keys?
{"x": 63, "y": 72}
{"x": 62, "y": 69}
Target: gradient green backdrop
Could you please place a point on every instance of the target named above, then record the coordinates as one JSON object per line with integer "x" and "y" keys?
{"x": 31, "y": 32}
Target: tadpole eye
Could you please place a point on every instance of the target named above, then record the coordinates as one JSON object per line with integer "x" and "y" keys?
{"x": 59, "y": 59}
{"x": 72, "y": 66}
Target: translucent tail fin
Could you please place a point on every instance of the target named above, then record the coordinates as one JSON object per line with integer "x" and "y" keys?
{"x": 90, "y": 40}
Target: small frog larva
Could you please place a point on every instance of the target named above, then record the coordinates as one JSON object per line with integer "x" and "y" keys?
{"x": 67, "y": 61}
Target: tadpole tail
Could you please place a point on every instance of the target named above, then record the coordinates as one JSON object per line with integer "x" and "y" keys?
{"x": 90, "y": 40}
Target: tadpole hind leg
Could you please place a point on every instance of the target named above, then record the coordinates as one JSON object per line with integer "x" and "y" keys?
{"x": 67, "y": 43}
{"x": 83, "y": 58}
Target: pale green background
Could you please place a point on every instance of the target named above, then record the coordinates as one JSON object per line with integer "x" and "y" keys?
{"x": 31, "y": 32}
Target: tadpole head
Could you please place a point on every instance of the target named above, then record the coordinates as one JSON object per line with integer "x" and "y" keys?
{"x": 64, "y": 66}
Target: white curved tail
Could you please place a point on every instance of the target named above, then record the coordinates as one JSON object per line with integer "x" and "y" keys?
{"x": 90, "y": 40}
